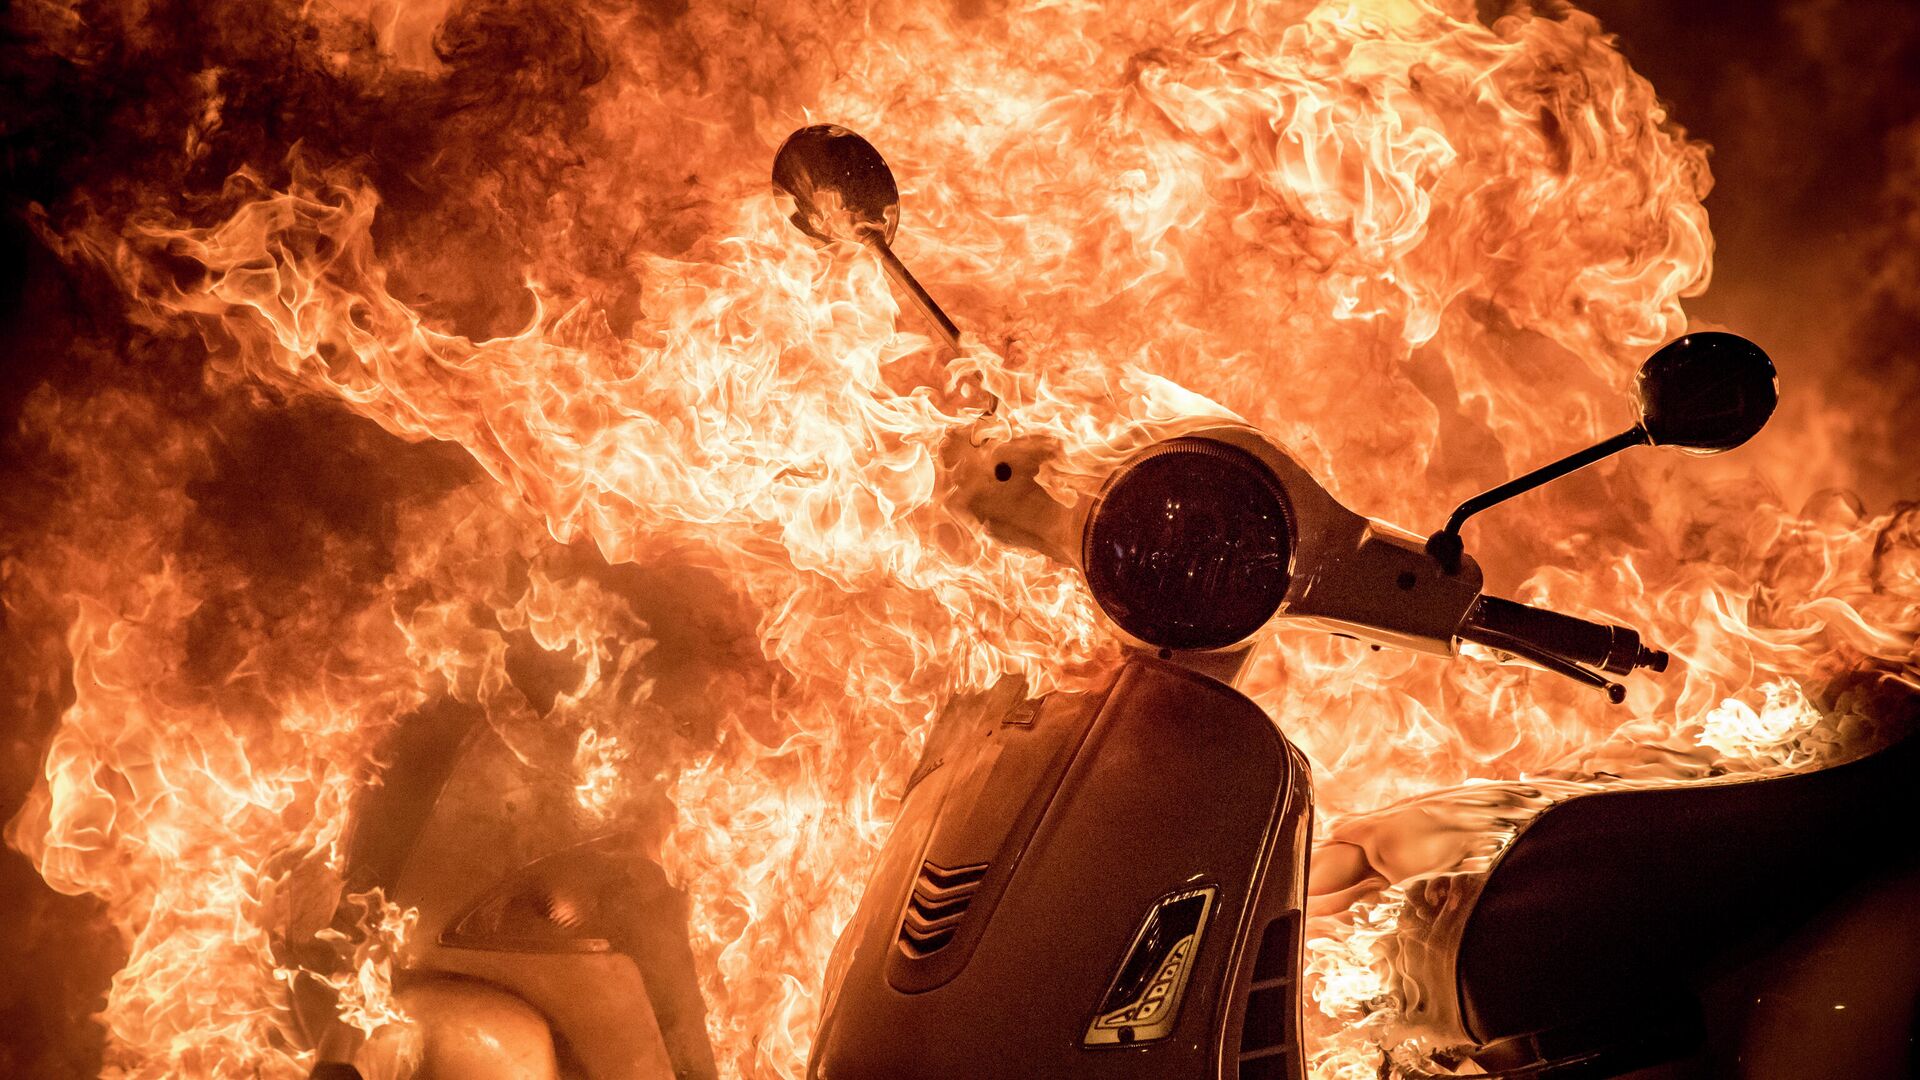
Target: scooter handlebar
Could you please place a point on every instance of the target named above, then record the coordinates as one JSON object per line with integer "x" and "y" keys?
{"x": 1560, "y": 643}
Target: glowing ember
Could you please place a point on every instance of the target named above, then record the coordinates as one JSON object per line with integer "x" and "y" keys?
{"x": 697, "y": 528}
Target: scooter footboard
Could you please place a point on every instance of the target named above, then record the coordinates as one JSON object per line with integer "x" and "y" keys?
{"x": 1102, "y": 884}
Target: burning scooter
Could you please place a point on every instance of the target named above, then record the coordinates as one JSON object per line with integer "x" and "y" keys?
{"x": 1111, "y": 883}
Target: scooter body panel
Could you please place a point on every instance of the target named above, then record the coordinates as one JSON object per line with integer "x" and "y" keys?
{"x": 1103, "y": 885}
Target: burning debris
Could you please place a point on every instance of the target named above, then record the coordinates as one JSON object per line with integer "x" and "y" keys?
{"x": 445, "y": 382}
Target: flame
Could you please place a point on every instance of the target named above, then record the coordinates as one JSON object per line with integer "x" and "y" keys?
{"x": 650, "y": 470}
{"x": 1737, "y": 729}
{"x": 364, "y": 989}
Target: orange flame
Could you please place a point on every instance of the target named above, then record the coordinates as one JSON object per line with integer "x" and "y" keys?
{"x": 1422, "y": 251}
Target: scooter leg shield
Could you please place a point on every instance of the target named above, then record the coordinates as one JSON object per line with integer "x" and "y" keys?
{"x": 1104, "y": 884}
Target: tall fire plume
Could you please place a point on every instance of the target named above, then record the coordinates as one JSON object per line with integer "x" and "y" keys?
{"x": 459, "y": 354}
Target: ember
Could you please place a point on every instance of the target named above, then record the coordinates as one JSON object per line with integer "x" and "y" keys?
{"x": 453, "y": 368}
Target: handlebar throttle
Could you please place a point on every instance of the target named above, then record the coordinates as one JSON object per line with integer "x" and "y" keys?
{"x": 1561, "y": 643}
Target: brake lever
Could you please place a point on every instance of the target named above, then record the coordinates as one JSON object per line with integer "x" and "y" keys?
{"x": 1533, "y": 654}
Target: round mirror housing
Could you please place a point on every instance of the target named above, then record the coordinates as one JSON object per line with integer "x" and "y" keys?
{"x": 840, "y": 185}
{"x": 1706, "y": 392}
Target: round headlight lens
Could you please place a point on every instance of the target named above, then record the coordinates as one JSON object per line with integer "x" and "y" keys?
{"x": 1189, "y": 545}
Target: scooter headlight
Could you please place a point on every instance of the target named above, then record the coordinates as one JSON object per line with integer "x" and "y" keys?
{"x": 1189, "y": 545}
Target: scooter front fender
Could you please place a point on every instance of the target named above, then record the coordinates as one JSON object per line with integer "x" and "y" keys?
{"x": 457, "y": 1029}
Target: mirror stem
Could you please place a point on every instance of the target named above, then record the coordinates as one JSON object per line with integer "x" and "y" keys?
{"x": 1445, "y": 545}
{"x": 898, "y": 271}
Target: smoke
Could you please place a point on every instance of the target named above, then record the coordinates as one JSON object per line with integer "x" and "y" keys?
{"x": 1811, "y": 108}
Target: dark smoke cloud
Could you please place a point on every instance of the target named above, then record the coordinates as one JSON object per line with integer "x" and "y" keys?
{"x": 1812, "y": 108}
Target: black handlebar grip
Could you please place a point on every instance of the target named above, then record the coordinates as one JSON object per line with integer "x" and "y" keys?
{"x": 1610, "y": 648}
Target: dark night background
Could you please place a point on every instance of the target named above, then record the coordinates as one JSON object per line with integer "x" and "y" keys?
{"x": 1812, "y": 108}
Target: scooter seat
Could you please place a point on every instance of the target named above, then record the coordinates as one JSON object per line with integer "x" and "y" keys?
{"x": 1605, "y": 905}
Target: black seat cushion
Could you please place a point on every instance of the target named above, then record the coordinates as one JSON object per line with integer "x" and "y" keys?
{"x": 1608, "y": 903}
